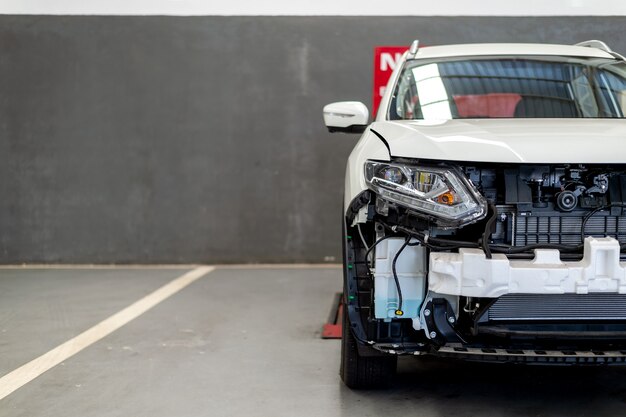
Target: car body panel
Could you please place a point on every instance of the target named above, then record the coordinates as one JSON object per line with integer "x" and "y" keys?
{"x": 538, "y": 141}
{"x": 368, "y": 147}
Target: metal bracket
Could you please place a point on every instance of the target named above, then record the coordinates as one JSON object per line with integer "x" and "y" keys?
{"x": 440, "y": 322}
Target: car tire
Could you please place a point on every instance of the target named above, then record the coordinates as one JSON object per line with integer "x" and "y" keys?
{"x": 363, "y": 372}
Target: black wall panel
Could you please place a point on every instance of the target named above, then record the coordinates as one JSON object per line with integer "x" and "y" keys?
{"x": 197, "y": 139}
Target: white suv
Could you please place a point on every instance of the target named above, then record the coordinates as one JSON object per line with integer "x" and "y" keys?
{"x": 485, "y": 209}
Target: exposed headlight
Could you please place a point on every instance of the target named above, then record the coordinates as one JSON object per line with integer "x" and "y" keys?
{"x": 441, "y": 193}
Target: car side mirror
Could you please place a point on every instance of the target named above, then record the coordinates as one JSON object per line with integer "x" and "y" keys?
{"x": 346, "y": 116}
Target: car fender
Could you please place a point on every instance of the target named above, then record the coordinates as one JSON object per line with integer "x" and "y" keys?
{"x": 370, "y": 146}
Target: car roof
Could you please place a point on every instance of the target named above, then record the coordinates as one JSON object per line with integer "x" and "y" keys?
{"x": 477, "y": 49}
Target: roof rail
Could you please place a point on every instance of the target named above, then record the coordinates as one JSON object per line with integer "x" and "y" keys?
{"x": 415, "y": 46}
{"x": 596, "y": 44}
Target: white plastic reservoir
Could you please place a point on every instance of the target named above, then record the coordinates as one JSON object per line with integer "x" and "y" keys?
{"x": 411, "y": 271}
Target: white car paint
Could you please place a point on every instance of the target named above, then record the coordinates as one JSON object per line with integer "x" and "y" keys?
{"x": 592, "y": 141}
{"x": 368, "y": 147}
{"x": 344, "y": 114}
{"x": 492, "y": 49}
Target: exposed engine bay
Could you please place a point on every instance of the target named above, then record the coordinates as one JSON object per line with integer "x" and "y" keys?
{"x": 529, "y": 205}
{"x": 548, "y": 204}
{"x": 542, "y": 214}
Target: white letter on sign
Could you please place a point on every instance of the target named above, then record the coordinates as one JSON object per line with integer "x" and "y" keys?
{"x": 387, "y": 61}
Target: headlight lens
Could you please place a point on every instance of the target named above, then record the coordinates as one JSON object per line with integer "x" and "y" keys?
{"x": 443, "y": 193}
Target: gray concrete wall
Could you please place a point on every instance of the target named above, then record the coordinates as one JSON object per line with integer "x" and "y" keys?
{"x": 197, "y": 139}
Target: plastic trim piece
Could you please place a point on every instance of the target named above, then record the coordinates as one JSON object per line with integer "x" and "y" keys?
{"x": 584, "y": 357}
{"x": 594, "y": 43}
{"x": 415, "y": 46}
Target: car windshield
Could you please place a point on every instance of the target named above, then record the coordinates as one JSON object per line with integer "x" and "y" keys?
{"x": 508, "y": 87}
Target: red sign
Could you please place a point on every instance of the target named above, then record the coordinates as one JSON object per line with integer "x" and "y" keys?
{"x": 385, "y": 60}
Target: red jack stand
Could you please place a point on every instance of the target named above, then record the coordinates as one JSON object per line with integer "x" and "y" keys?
{"x": 332, "y": 329}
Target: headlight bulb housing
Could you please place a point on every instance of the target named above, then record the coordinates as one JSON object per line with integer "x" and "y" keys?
{"x": 441, "y": 193}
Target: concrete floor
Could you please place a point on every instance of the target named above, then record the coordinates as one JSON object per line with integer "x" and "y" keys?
{"x": 244, "y": 342}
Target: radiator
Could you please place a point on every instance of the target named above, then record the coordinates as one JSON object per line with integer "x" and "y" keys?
{"x": 558, "y": 307}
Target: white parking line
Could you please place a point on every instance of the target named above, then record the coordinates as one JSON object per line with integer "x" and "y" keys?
{"x": 26, "y": 373}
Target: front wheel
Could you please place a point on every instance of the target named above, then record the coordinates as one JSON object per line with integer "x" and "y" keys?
{"x": 363, "y": 372}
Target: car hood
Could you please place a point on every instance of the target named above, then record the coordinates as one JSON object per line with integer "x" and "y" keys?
{"x": 508, "y": 140}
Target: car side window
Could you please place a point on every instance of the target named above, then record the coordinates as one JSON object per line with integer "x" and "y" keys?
{"x": 613, "y": 90}
{"x": 406, "y": 99}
